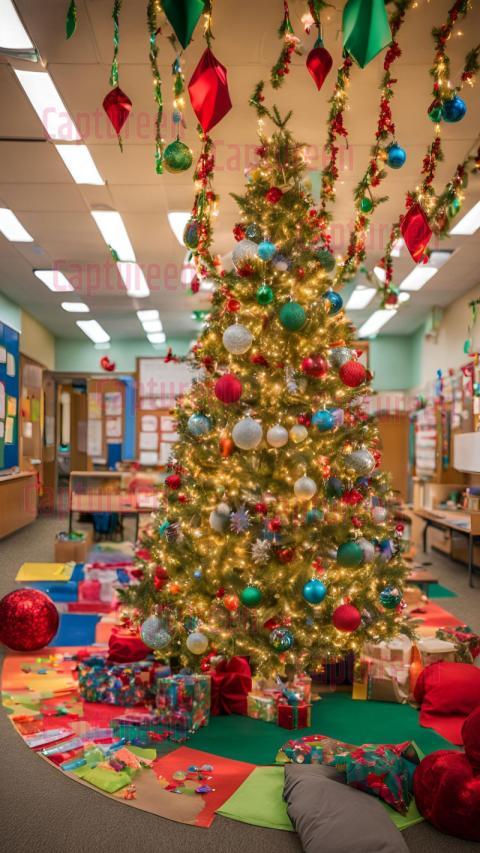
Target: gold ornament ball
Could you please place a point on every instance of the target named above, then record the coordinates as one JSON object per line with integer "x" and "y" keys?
{"x": 298, "y": 433}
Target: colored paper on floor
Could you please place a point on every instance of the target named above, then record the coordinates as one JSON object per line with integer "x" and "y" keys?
{"x": 436, "y": 590}
{"x": 45, "y": 572}
{"x": 259, "y": 800}
{"x": 76, "y": 629}
{"x": 227, "y": 775}
{"x": 49, "y": 683}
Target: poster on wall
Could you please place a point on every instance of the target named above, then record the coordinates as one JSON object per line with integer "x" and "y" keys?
{"x": 94, "y": 438}
{"x": 113, "y": 403}
{"x": 148, "y": 441}
{"x": 149, "y": 423}
{"x": 94, "y": 406}
{"x": 113, "y": 428}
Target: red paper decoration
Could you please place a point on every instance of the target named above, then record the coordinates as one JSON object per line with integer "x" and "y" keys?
{"x": 352, "y": 373}
{"x": 319, "y": 63}
{"x": 28, "y": 620}
{"x": 106, "y": 364}
{"x": 117, "y": 106}
{"x": 346, "y": 618}
{"x": 416, "y": 232}
{"x": 315, "y": 365}
{"x": 228, "y": 389}
{"x": 208, "y": 90}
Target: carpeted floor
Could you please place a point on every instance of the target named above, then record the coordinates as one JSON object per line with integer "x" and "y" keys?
{"x": 43, "y": 810}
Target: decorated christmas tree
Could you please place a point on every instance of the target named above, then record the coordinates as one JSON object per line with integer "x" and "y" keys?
{"x": 273, "y": 539}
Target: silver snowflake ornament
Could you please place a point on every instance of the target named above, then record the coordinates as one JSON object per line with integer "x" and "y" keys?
{"x": 240, "y": 520}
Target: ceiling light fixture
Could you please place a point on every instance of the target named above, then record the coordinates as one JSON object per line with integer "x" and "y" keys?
{"x": 397, "y": 247}
{"x": 381, "y": 274}
{"x": 148, "y": 314}
{"x": 111, "y": 226}
{"x": 153, "y": 326}
{"x": 403, "y": 297}
{"x": 360, "y": 298}
{"x": 48, "y": 105}
{"x": 375, "y": 322}
{"x": 75, "y": 307}
{"x": 177, "y": 220}
{"x": 80, "y": 164}
{"x": 418, "y": 277}
{"x": 55, "y": 280}
{"x": 12, "y": 228}
{"x": 157, "y": 337}
{"x": 133, "y": 279}
{"x": 93, "y": 330}
{"x": 13, "y": 35}
{"x": 469, "y": 223}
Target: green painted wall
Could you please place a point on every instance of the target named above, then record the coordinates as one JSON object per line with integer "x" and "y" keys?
{"x": 82, "y": 357}
{"x": 394, "y": 362}
{"x": 10, "y": 314}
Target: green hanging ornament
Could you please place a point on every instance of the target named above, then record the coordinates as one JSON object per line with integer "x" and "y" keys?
{"x": 251, "y": 596}
{"x": 366, "y": 30}
{"x": 71, "y": 22}
{"x": 292, "y": 316}
{"x": 366, "y": 204}
{"x": 177, "y": 157}
{"x": 191, "y": 234}
{"x": 154, "y": 30}
{"x": 264, "y": 294}
{"x": 183, "y": 17}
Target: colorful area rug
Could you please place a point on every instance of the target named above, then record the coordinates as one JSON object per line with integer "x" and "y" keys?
{"x": 436, "y": 590}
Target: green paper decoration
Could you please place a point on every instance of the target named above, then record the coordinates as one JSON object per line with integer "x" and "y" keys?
{"x": 153, "y": 30}
{"x": 366, "y": 30}
{"x": 71, "y": 22}
{"x": 117, "y": 5}
{"x": 183, "y": 16}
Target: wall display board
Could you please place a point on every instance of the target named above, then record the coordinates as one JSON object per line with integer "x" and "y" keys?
{"x": 159, "y": 383}
{"x": 9, "y": 388}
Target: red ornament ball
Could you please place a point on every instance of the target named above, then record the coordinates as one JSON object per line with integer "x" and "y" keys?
{"x": 228, "y": 389}
{"x": 173, "y": 481}
{"x": 260, "y": 359}
{"x": 28, "y": 620}
{"x": 304, "y": 419}
{"x": 271, "y": 623}
{"x": 231, "y": 602}
{"x": 352, "y": 497}
{"x": 346, "y": 618}
{"x": 261, "y": 508}
{"x": 238, "y": 232}
{"x": 273, "y": 195}
{"x": 352, "y": 373}
{"x": 232, "y": 305}
{"x": 285, "y": 555}
{"x": 275, "y": 525}
{"x": 315, "y": 365}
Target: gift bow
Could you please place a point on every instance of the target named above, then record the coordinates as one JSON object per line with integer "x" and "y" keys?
{"x": 231, "y": 683}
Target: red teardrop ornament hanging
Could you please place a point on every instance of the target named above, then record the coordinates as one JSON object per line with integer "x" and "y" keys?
{"x": 416, "y": 232}
{"x": 319, "y": 63}
{"x": 208, "y": 90}
{"x": 117, "y": 106}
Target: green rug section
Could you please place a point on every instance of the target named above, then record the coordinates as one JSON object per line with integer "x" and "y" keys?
{"x": 436, "y": 590}
{"x": 336, "y": 714}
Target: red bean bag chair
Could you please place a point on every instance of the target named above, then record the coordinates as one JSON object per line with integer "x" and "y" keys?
{"x": 447, "y": 693}
{"x": 446, "y": 785}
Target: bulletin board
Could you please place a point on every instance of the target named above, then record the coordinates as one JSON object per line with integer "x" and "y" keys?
{"x": 9, "y": 406}
{"x": 159, "y": 383}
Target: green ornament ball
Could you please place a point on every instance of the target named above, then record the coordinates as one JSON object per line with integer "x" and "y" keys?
{"x": 264, "y": 295}
{"x": 292, "y": 316}
{"x": 454, "y": 206}
{"x": 251, "y": 596}
{"x": 191, "y": 234}
{"x": 326, "y": 259}
{"x": 349, "y": 554}
{"x": 366, "y": 204}
{"x": 177, "y": 157}
{"x": 435, "y": 114}
{"x": 313, "y": 515}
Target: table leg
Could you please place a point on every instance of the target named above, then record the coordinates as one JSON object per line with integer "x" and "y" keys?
{"x": 70, "y": 521}
{"x": 424, "y": 536}
{"x": 470, "y": 560}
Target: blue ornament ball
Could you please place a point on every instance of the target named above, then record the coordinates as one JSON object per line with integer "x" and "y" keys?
{"x": 313, "y": 515}
{"x": 314, "y": 591}
{"x": 197, "y": 574}
{"x": 266, "y": 250}
{"x": 281, "y": 639}
{"x": 176, "y": 116}
{"x": 253, "y": 232}
{"x": 454, "y": 110}
{"x": 199, "y": 425}
{"x": 323, "y": 420}
{"x": 390, "y": 597}
{"x": 335, "y": 487}
{"x": 335, "y": 302}
{"x": 396, "y": 156}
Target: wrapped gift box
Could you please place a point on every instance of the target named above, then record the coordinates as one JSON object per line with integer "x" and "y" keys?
{"x": 294, "y": 716}
{"x": 384, "y": 671}
{"x": 467, "y": 643}
{"x": 432, "y": 650}
{"x": 262, "y": 707}
{"x": 183, "y": 702}
{"x": 116, "y": 683}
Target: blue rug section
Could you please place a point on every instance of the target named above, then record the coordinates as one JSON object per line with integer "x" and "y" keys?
{"x": 60, "y": 591}
{"x": 76, "y": 629}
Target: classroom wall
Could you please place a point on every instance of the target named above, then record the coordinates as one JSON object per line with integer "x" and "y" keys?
{"x": 391, "y": 362}
{"x": 82, "y": 357}
{"x": 10, "y": 314}
{"x": 37, "y": 342}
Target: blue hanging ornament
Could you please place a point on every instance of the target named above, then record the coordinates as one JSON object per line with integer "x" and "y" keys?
{"x": 199, "y": 425}
{"x": 390, "y": 597}
{"x": 313, "y": 515}
{"x": 454, "y": 110}
{"x": 314, "y": 591}
{"x": 197, "y": 574}
{"x": 281, "y": 639}
{"x": 396, "y": 156}
{"x": 253, "y": 232}
{"x": 334, "y": 302}
{"x": 323, "y": 420}
{"x": 266, "y": 250}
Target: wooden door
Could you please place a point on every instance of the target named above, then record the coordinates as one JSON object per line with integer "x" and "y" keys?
{"x": 394, "y": 431}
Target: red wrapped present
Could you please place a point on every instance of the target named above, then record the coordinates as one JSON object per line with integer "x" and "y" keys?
{"x": 294, "y": 716}
{"x": 231, "y": 684}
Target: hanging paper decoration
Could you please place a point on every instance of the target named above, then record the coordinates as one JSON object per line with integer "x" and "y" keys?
{"x": 416, "y": 231}
{"x": 319, "y": 63}
{"x": 117, "y": 106}
{"x": 154, "y": 30}
{"x": 290, "y": 44}
{"x": 365, "y": 29}
{"x": 106, "y": 364}
{"x": 183, "y": 17}
{"x": 71, "y": 22}
{"x": 117, "y": 5}
{"x": 208, "y": 90}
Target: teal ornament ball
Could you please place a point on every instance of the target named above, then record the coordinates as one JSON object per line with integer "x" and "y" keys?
{"x": 191, "y": 234}
{"x": 264, "y": 295}
{"x": 292, "y": 316}
{"x": 253, "y": 232}
{"x": 335, "y": 488}
{"x": 366, "y": 204}
{"x": 313, "y": 515}
{"x": 251, "y": 596}
{"x": 266, "y": 250}
{"x": 177, "y": 157}
{"x": 349, "y": 554}
{"x": 390, "y": 597}
{"x": 454, "y": 110}
{"x": 435, "y": 113}
{"x": 335, "y": 302}
{"x": 314, "y": 591}
{"x": 326, "y": 259}
{"x": 323, "y": 420}
{"x": 396, "y": 156}
{"x": 153, "y": 633}
{"x": 281, "y": 639}
{"x": 199, "y": 425}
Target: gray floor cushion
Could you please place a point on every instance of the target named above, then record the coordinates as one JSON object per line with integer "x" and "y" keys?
{"x": 331, "y": 817}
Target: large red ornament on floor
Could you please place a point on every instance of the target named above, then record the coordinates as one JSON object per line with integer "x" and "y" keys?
{"x": 208, "y": 90}
{"x": 28, "y": 620}
{"x": 416, "y": 231}
{"x": 447, "y": 785}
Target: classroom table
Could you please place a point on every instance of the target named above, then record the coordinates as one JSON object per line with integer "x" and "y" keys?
{"x": 465, "y": 523}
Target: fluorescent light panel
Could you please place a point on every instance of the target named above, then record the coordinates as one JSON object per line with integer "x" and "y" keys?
{"x": 375, "y": 322}
{"x": 12, "y": 228}
{"x": 153, "y": 325}
{"x": 93, "y": 330}
{"x": 111, "y": 227}
{"x": 469, "y": 223}
{"x": 13, "y": 34}
{"x": 177, "y": 220}
{"x": 397, "y": 247}
{"x": 80, "y": 164}
{"x": 418, "y": 277}
{"x": 360, "y": 298}
{"x": 54, "y": 280}
{"x": 148, "y": 314}
{"x": 381, "y": 274}
{"x": 133, "y": 279}
{"x": 157, "y": 337}
{"x": 48, "y": 105}
{"x": 75, "y": 307}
